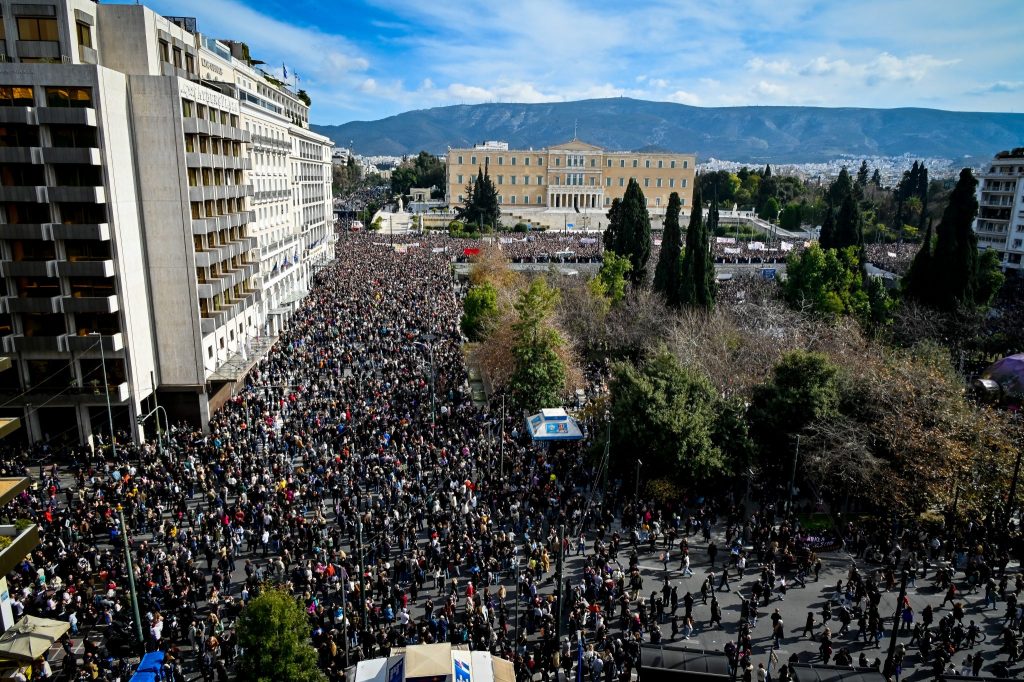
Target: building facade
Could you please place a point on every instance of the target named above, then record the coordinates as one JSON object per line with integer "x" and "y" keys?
{"x": 570, "y": 176}
{"x": 1000, "y": 221}
{"x": 131, "y": 236}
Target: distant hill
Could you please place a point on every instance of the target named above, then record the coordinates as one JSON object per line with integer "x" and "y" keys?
{"x": 755, "y": 134}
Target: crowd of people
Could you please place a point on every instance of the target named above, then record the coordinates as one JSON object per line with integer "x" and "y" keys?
{"x": 354, "y": 469}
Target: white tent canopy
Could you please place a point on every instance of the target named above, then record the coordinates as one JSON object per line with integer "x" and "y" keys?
{"x": 553, "y": 424}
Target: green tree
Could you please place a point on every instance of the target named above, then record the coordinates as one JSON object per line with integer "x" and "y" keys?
{"x": 669, "y": 269}
{"x": 481, "y": 206}
{"x": 697, "y": 275}
{"x": 538, "y": 379}
{"x": 479, "y": 309}
{"x": 876, "y": 178}
{"x": 666, "y": 415}
{"x": 769, "y": 210}
{"x": 273, "y": 632}
{"x": 789, "y": 219}
{"x": 829, "y": 281}
{"x": 611, "y": 279}
{"x": 862, "y": 174}
{"x": 629, "y": 231}
{"x": 849, "y": 230}
{"x": 951, "y": 273}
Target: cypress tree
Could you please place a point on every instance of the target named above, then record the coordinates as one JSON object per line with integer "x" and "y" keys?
{"x": 862, "y": 174}
{"x": 697, "y": 280}
{"x": 848, "y": 228}
{"x": 827, "y": 239}
{"x": 612, "y": 237}
{"x": 955, "y": 258}
{"x": 667, "y": 272}
{"x": 634, "y": 232}
{"x": 918, "y": 282}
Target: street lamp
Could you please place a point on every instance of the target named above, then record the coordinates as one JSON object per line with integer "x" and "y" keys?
{"x": 429, "y": 345}
{"x": 106, "y": 391}
{"x": 167, "y": 425}
{"x": 636, "y": 489}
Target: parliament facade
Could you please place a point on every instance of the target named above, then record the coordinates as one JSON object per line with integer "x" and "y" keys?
{"x": 570, "y": 176}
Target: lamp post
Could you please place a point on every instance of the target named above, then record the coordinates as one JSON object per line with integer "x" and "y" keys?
{"x": 429, "y": 345}
{"x": 131, "y": 582}
{"x": 636, "y": 488}
{"x": 106, "y": 391}
{"x": 167, "y": 425}
{"x": 792, "y": 474}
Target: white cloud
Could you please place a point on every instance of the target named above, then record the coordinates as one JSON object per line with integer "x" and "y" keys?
{"x": 683, "y": 97}
{"x": 823, "y": 66}
{"x": 769, "y": 89}
{"x": 778, "y": 68}
{"x": 998, "y": 87}
{"x": 911, "y": 68}
{"x": 368, "y": 86}
{"x": 658, "y": 83}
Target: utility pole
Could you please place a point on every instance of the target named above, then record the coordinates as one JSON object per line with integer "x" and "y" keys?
{"x": 344, "y": 611}
{"x": 106, "y": 392}
{"x": 636, "y": 489}
{"x": 558, "y": 579}
{"x": 792, "y": 474}
{"x": 501, "y": 446}
{"x": 890, "y": 663}
{"x": 362, "y": 583}
{"x": 131, "y": 584}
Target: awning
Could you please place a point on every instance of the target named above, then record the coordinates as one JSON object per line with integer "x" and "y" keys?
{"x": 149, "y": 669}
{"x": 30, "y": 638}
{"x": 834, "y": 673}
{"x": 553, "y": 424}
{"x": 428, "y": 660}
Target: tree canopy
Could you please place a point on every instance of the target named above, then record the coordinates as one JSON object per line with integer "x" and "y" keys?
{"x": 668, "y": 272}
{"x": 273, "y": 631}
{"x": 538, "y": 378}
{"x": 481, "y": 207}
{"x": 697, "y": 275}
{"x": 629, "y": 231}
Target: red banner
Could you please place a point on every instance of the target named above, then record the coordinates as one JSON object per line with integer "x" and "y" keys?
{"x": 471, "y": 252}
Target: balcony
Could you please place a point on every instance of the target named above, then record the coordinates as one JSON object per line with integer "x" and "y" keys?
{"x": 89, "y": 304}
{"x": 82, "y": 155}
{"x": 92, "y": 195}
{"x": 85, "y": 268}
{"x": 41, "y": 231}
{"x": 19, "y": 343}
{"x": 22, "y": 543}
{"x": 24, "y": 115}
{"x": 21, "y": 155}
{"x": 38, "y": 49}
{"x": 32, "y": 304}
{"x": 94, "y": 231}
{"x": 67, "y": 115}
{"x": 29, "y": 268}
{"x": 79, "y": 343}
{"x": 28, "y": 193}
{"x": 86, "y": 55}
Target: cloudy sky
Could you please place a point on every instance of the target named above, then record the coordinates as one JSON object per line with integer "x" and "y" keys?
{"x": 367, "y": 59}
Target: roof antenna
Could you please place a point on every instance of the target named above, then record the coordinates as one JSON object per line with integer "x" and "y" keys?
{"x": 575, "y": 125}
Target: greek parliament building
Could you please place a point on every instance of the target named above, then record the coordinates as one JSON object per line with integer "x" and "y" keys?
{"x": 570, "y": 176}
{"x": 162, "y": 207}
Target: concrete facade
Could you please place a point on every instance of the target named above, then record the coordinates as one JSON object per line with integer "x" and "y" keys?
{"x": 1000, "y": 221}
{"x": 130, "y": 247}
{"x": 570, "y": 176}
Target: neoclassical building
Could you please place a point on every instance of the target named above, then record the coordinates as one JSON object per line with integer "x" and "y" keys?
{"x": 570, "y": 176}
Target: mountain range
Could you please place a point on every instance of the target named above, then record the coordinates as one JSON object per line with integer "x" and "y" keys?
{"x": 788, "y": 134}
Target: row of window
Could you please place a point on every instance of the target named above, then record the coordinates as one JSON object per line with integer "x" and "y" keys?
{"x": 539, "y": 200}
{"x": 56, "y": 96}
{"x": 578, "y": 179}
{"x": 577, "y": 161}
{"x": 190, "y": 109}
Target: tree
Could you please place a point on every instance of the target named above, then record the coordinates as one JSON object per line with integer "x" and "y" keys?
{"x": 828, "y": 281}
{"x": 950, "y": 273}
{"x": 481, "y": 206}
{"x": 479, "y": 309}
{"x": 538, "y": 379}
{"x": 876, "y": 178}
{"x": 849, "y": 230}
{"x": 669, "y": 269}
{"x": 804, "y": 387}
{"x": 629, "y": 231}
{"x": 611, "y": 279}
{"x": 862, "y": 175}
{"x": 789, "y": 219}
{"x": 697, "y": 275}
{"x": 666, "y": 415}
{"x": 770, "y": 210}
{"x": 273, "y": 632}
{"x": 827, "y": 238}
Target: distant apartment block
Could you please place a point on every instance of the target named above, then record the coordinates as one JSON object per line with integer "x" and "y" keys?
{"x": 1000, "y": 221}
{"x": 570, "y": 176}
{"x": 151, "y": 183}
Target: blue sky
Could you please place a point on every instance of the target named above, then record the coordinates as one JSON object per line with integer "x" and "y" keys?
{"x": 367, "y": 59}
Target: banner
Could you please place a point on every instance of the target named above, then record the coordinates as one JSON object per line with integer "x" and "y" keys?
{"x": 725, "y": 240}
{"x": 439, "y": 249}
{"x": 657, "y": 242}
{"x": 471, "y": 252}
{"x": 588, "y": 240}
{"x": 756, "y": 246}
{"x": 505, "y": 240}
{"x": 401, "y": 248}
{"x": 732, "y": 250}
{"x": 786, "y": 246}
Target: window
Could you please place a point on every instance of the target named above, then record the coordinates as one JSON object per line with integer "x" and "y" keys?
{"x": 672, "y": 164}
{"x": 501, "y": 179}
{"x": 634, "y": 163}
{"x": 593, "y": 163}
{"x": 84, "y": 32}
{"x": 34, "y": 28}
{"x": 177, "y": 57}
{"x": 75, "y": 98}
{"x": 683, "y": 183}
{"x": 460, "y": 198}
{"x": 661, "y": 163}
{"x": 622, "y": 163}
{"x": 682, "y": 201}
{"x": 659, "y": 182}
{"x": 657, "y": 201}
{"x": 686, "y": 164}
{"x": 513, "y": 178}
{"x": 647, "y": 182}
{"x": 538, "y": 199}
{"x": 513, "y": 160}
{"x": 609, "y": 163}
{"x": 500, "y": 199}
{"x": 558, "y": 161}
{"x": 540, "y": 179}
{"x": 165, "y": 51}
{"x": 472, "y": 160}
{"x": 513, "y": 198}
{"x": 526, "y": 179}
{"x": 460, "y": 179}
{"x": 186, "y": 108}
{"x": 501, "y": 160}
{"x": 671, "y": 182}
{"x": 526, "y": 161}
{"x": 647, "y": 163}
{"x": 16, "y": 96}
{"x": 622, "y": 182}
{"x": 460, "y": 161}
{"x": 540, "y": 161}
{"x": 607, "y": 182}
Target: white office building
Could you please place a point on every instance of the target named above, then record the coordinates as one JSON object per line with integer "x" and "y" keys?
{"x": 1000, "y": 221}
{"x": 133, "y": 245}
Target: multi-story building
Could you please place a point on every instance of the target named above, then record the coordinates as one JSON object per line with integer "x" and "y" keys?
{"x": 130, "y": 244}
{"x": 1000, "y": 221}
{"x": 570, "y": 176}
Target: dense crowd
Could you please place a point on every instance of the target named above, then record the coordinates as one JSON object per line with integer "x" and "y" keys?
{"x": 354, "y": 469}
